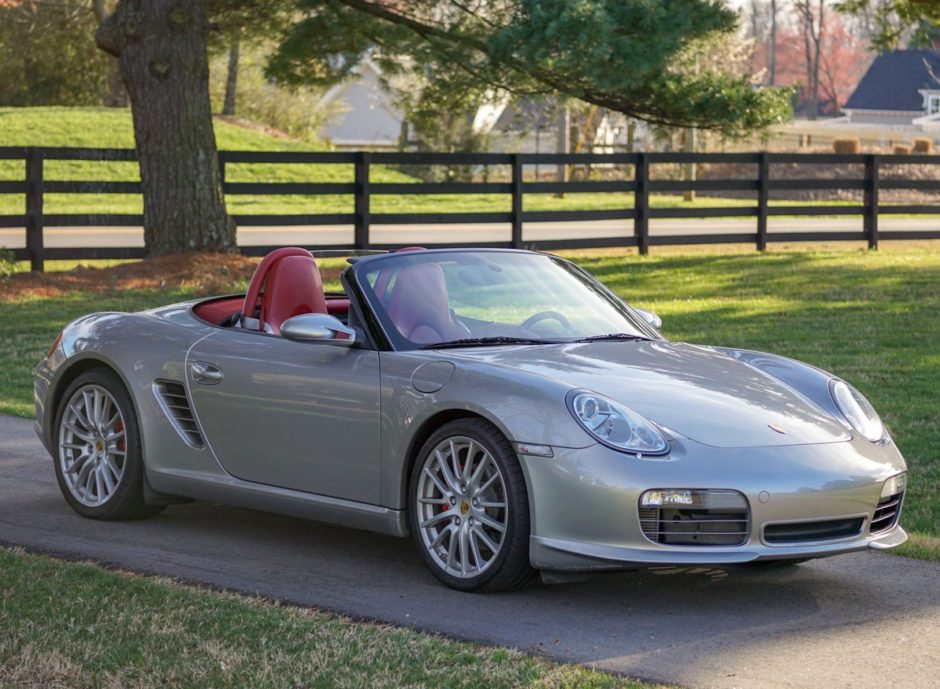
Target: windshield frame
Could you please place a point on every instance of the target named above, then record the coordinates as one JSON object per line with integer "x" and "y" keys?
{"x": 397, "y": 342}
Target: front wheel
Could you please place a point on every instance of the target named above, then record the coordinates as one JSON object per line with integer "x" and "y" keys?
{"x": 99, "y": 460}
{"x": 469, "y": 510}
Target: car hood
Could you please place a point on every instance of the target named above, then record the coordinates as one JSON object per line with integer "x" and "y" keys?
{"x": 695, "y": 391}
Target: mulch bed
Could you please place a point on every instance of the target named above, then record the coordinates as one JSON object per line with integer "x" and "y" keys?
{"x": 203, "y": 273}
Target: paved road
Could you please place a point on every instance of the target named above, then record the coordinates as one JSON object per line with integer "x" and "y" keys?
{"x": 491, "y": 232}
{"x": 862, "y": 621}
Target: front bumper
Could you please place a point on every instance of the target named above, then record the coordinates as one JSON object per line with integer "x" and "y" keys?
{"x": 584, "y": 502}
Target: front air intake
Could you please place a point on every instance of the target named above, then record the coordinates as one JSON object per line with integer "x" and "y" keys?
{"x": 175, "y": 404}
{"x": 694, "y": 517}
{"x": 887, "y": 513}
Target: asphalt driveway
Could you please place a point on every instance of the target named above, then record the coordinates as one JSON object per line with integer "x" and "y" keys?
{"x": 862, "y": 620}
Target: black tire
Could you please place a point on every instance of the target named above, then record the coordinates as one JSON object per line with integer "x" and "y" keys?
{"x": 511, "y": 568}
{"x": 127, "y": 500}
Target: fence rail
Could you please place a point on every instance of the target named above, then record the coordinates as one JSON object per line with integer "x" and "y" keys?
{"x": 34, "y": 187}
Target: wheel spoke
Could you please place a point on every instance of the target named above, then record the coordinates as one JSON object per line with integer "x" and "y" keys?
{"x": 468, "y": 462}
{"x": 488, "y": 483}
{"x": 475, "y": 549}
{"x": 80, "y": 416}
{"x": 493, "y": 505}
{"x": 446, "y": 471}
{"x": 78, "y": 463}
{"x": 438, "y": 518}
{"x": 89, "y": 480}
{"x": 433, "y": 501}
{"x": 437, "y": 482}
{"x": 455, "y": 461}
{"x": 440, "y": 537}
{"x": 451, "y": 549}
{"x": 99, "y": 484}
{"x": 106, "y": 478}
{"x": 115, "y": 469}
{"x": 110, "y": 427}
{"x": 481, "y": 534}
{"x": 464, "y": 552}
{"x": 478, "y": 472}
{"x": 81, "y": 435}
{"x": 489, "y": 521}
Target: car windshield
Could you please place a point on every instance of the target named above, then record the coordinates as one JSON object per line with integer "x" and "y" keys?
{"x": 466, "y": 298}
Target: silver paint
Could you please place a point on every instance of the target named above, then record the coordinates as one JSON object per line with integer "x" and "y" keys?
{"x": 325, "y": 432}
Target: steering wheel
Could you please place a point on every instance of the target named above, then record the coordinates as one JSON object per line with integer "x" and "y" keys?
{"x": 547, "y": 315}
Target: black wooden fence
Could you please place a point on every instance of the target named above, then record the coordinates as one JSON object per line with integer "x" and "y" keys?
{"x": 636, "y": 233}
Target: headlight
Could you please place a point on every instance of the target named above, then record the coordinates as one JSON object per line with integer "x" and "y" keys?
{"x": 616, "y": 425}
{"x": 857, "y": 410}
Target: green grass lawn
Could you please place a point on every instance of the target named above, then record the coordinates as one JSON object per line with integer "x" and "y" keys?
{"x": 110, "y": 128}
{"x": 77, "y": 626}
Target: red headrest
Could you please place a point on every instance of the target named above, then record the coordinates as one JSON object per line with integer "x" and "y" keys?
{"x": 293, "y": 288}
{"x": 252, "y": 302}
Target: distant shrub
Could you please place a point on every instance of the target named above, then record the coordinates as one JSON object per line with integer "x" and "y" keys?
{"x": 922, "y": 145}
{"x": 7, "y": 264}
{"x": 902, "y": 150}
{"x": 845, "y": 146}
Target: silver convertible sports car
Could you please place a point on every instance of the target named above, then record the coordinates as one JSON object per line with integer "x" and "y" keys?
{"x": 503, "y": 408}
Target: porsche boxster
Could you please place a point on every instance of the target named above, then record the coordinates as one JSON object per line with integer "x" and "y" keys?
{"x": 503, "y": 408}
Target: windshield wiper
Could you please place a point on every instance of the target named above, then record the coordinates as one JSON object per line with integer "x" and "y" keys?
{"x": 627, "y": 337}
{"x": 487, "y": 341}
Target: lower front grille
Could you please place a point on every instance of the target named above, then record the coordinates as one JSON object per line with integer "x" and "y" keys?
{"x": 887, "y": 513}
{"x": 716, "y": 518}
{"x": 802, "y": 532}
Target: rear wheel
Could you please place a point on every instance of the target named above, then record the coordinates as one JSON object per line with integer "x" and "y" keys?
{"x": 469, "y": 511}
{"x": 99, "y": 461}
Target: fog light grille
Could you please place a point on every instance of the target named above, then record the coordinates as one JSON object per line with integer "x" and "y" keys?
{"x": 887, "y": 513}
{"x": 715, "y": 518}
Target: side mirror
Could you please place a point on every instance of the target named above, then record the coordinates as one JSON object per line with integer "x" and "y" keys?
{"x": 318, "y": 327}
{"x": 650, "y": 318}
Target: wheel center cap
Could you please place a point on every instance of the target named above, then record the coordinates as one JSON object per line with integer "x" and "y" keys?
{"x": 99, "y": 445}
{"x": 464, "y": 507}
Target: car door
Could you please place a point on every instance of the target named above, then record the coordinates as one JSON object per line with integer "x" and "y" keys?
{"x": 298, "y": 415}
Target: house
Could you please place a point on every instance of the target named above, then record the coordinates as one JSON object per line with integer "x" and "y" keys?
{"x": 900, "y": 88}
{"x": 363, "y": 112}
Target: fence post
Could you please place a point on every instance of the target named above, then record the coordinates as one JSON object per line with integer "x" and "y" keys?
{"x": 641, "y": 220}
{"x": 34, "y": 222}
{"x": 222, "y": 160}
{"x": 361, "y": 235}
{"x": 871, "y": 200}
{"x": 763, "y": 177}
{"x": 516, "y": 210}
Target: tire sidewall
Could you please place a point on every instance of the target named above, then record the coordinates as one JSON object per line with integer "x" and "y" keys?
{"x": 517, "y": 531}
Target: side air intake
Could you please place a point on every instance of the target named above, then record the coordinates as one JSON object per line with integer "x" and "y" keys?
{"x": 175, "y": 403}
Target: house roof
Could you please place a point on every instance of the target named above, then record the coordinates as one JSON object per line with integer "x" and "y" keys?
{"x": 894, "y": 79}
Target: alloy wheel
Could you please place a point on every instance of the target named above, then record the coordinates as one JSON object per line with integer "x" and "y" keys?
{"x": 462, "y": 507}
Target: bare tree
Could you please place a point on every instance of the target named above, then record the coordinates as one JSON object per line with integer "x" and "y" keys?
{"x": 231, "y": 79}
{"x": 812, "y": 16}
{"x": 772, "y": 66}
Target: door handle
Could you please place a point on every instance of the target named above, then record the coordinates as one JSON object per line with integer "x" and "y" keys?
{"x": 205, "y": 373}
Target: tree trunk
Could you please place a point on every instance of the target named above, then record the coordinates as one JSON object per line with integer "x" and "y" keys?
{"x": 773, "y": 42}
{"x": 117, "y": 96}
{"x": 162, "y": 51}
{"x": 231, "y": 81}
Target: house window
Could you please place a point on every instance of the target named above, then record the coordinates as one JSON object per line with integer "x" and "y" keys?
{"x": 933, "y": 105}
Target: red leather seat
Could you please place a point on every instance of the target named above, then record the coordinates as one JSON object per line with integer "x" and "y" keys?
{"x": 286, "y": 283}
